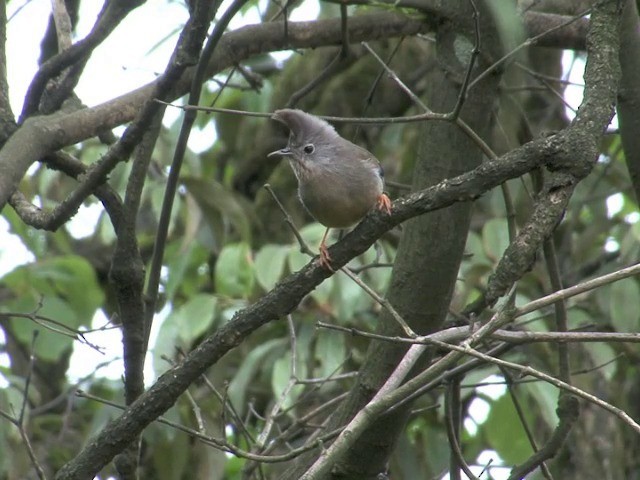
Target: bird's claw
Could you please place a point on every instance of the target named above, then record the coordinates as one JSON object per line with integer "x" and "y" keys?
{"x": 325, "y": 259}
{"x": 384, "y": 203}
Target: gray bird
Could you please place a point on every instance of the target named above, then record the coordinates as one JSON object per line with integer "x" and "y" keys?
{"x": 338, "y": 181}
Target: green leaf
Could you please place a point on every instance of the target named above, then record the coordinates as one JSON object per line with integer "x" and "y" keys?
{"x": 69, "y": 277}
{"x": 505, "y": 433}
{"x": 196, "y": 316}
{"x": 475, "y": 249}
{"x": 214, "y": 199}
{"x": 269, "y": 264}
{"x": 376, "y": 278}
{"x": 50, "y": 345}
{"x": 177, "y": 266}
{"x": 602, "y": 355}
{"x": 170, "y": 457}
{"x": 543, "y": 398}
{"x": 330, "y": 354}
{"x": 495, "y": 237}
{"x": 156, "y": 197}
{"x": 184, "y": 264}
{"x": 166, "y": 342}
{"x": 280, "y": 378}
{"x": 234, "y": 271}
{"x": 251, "y": 365}
{"x": 311, "y": 234}
{"x": 351, "y": 298}
{"x": 63, "y": 289}
{"x": 624, "y": 305}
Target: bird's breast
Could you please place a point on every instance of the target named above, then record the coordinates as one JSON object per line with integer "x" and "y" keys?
{"x": 341, "y": 200}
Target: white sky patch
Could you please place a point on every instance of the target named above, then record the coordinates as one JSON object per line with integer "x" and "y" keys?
{"x": 487, "y": 457}
{"x": 24, "y": 34}
{"x": 480, "y": 408}
{"x": 490, "y": 458}
{"x": 615, "y": 203}
{"x": 5, "y": 361}
{"x": 494, "y": 392}
{"x": 611, "y": 245}
{"x": 12, "y": 251}
{"x": 202, "y": 140}
{"x": 85, "y": 359}
{"x": 129, "y": 58}
{"x": 83, "y": 223}
{"x": 573, "y": 70}
{"x": 306, "y": 12}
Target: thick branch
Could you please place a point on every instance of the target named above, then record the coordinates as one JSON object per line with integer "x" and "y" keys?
{"x": 110, "y": 17}
{"x": 629, "y": 97}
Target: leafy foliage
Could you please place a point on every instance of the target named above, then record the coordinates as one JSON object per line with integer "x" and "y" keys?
{"x": 228, "y": 245}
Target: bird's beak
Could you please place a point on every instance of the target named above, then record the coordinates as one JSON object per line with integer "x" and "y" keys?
{"x": 283, "y": 152}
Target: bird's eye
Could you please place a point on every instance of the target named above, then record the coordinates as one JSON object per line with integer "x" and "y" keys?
{"x": 309, "y": 149}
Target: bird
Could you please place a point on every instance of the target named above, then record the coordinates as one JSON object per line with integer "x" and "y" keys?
{"x": 338, "y": 181}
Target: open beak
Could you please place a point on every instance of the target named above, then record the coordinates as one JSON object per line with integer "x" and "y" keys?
{"x": 283, "y": 152}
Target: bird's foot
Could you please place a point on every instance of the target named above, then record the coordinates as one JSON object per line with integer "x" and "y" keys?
{"x": 384, "y": 203}
{"x": 325, "y": 259}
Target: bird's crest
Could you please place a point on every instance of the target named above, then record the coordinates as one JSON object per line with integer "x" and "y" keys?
{"x": 303, "y": 126}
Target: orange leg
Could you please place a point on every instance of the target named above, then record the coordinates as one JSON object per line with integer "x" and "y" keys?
{"x": 384, "y": 203}
{"x": 325, "y": 258}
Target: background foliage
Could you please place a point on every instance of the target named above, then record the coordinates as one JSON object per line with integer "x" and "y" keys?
{"x": 227, "y": 248}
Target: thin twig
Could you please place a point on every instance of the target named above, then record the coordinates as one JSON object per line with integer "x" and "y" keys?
{"x": 452, "y": 408}
{"x": 527, "y": 43}
{"x": 304, "y": 248}
{"x": 222, "y": 445}
{"x": 578, "y": 289}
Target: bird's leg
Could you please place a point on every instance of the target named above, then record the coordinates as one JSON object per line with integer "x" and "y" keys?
{"x": 384, "y": 203}
{"x": 325, "y": 259}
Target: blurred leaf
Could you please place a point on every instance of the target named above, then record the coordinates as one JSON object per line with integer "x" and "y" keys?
{"x": 32, "y": 239}
{"x": 234, "y": 271}
{"x": 351, "y": 298}
{"x": 495, "y": 237}
{"x": 280, "y": 378}
{"x": 578, "y": 318}
{"x": 69, "y": 276}
{"x": 544, "y": 400}
{"x": 602, "y": 355}
{"x": 475, "y": 249}
{"x": 215, "y": 199}
{"x": 269, "y": 264}
{"x": 624, "y": 305}
{"x": 228, "y": 126}
{"x": 377, "y": 278}
{"x": 166, "y": 342}
{"x": 156, "y": 197}
{"x": 233, "y": 468}
{"x": 187, "y": 269}
{"x": 312, "y": 235}
{"x": 50, "y": 345}
{"x": 63, "y": 289}
{"x": 251, "y": 365}
{"x": 330, "y": 354}
{"x": 195, "y": 317}
{"x": 504, "y": 431}
{"x": 170, "y": 457}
